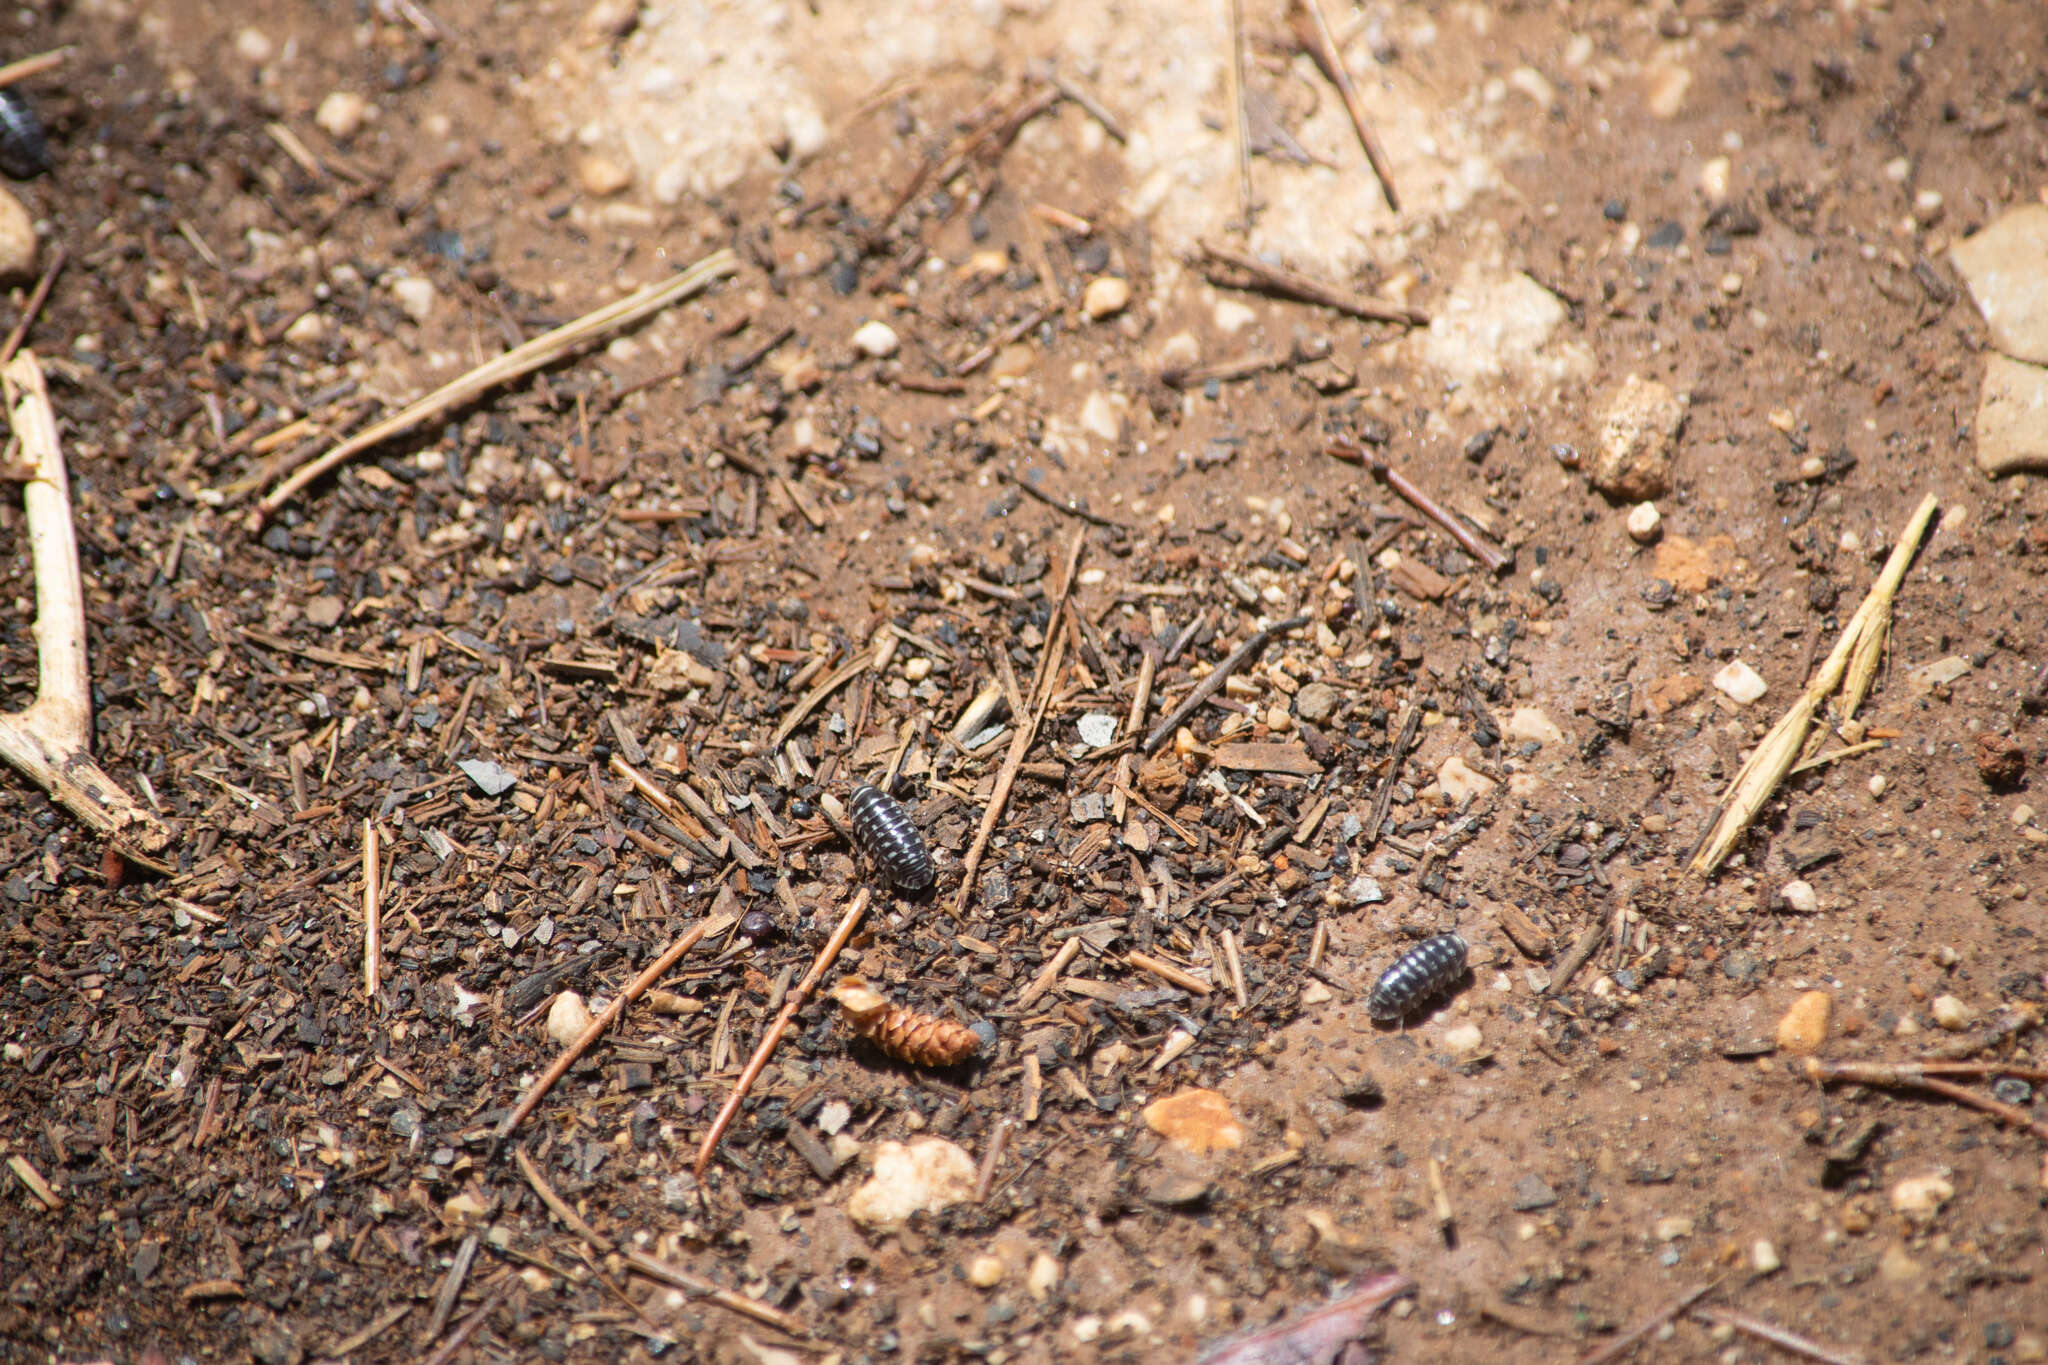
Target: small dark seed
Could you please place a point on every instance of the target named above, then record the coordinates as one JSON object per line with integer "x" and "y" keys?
{"x": 757, "y": 924}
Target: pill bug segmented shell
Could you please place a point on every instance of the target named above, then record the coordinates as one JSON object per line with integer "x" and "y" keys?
{"x": 883, "y": 829}
{"x": 1422, "y": 973}
{"x": 920, "y": 1039}
{"x": 24, "y": 150}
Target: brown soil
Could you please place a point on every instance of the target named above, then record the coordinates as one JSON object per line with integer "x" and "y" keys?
{"x": 253, "y": 1159}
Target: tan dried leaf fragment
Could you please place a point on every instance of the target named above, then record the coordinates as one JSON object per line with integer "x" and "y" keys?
{"x": 920, "y": 1039}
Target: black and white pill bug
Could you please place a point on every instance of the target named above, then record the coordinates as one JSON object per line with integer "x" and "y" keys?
{"x": 883, "y": 829}
{"x": 1422, "y": 973}
{"x": 24, "y": 150}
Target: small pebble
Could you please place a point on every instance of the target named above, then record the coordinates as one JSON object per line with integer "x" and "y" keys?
{"x": 1105, "y": 296}
{"x": 1812, "y": 467}
{"x": 1463, "y": 1040}
{"x": 1643, "y": 522}
{"x": 253, "y": 45}
{"x": 1951, "y": 1013}
{"x": 1740, "y": 683}
{"x": 415, "y": 296}
{"x": 341, "y": 114}
{"x": 1805, "y": 1026}
{"x": 1763, "y": 1258}
{"x": 1731, "y": 283}
{"x": 1672, "y": 1228}
{"x": 600, "y": 175}
{"x": 568, "y": 1018}
{"x": 1043, "y": 1276}
{"x": 1799, "y": 897}
{"x": 17, "y": 239}
{"x": 1920, "y": 1197}
{"x": 985, "y": 1272}
{"x": 1877, "y": 784}
{"x": 876, "y": 338}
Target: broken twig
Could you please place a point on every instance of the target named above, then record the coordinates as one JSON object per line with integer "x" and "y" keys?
{"x": 1208, "y": 687}
{"x": 1312, "y": 31}
{"x": 1494, "y": 558}
{"x": 543, "y": 350}
{"x": 51, "y": 741}
{"x": 1241, "y": 270}
{"x": 1912, "y": 1076}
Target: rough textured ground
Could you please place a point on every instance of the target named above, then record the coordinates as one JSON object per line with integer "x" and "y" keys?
{"x": 654, "y": 551}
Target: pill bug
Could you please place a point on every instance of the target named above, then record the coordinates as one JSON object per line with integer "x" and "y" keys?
{"x": 24, "y": 150}
{"x": 920, "y": 1039}
{"x": 883, "y": 829}
{"x": 1422, "y": 973}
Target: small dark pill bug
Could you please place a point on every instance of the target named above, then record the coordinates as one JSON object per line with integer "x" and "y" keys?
{"x": 1422, "y": 973}
{"x": 24, "y": 150}
{"x": 884, "y": 831}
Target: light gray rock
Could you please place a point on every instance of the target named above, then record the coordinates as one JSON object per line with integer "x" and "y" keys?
{"x": 2012, "y": 416}
{"x": 1638, "y": 437}
{"x": 2006, "y": 267}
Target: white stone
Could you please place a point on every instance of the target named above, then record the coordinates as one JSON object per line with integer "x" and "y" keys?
{"x": 341, "y": 114}
{"x": 1799, "y": 897}
{"x": 1098, "y": 730}
{"x": 415, "y": 295}
{"x": 985, "y": 1271}
{"x": 875, "y": 338}
{"x": 309, "y": 329}
{"x": 568, "y": 1018}
{"x": 1180, "y": 352}
{"x": 2012, "y": 416}
{"x": 1672, "y": 1228}
{"x": 1100, "y": 416}
{"x": 1043, "y": 1276}
{"x": 1233, "y": 317}
{"x": 925, "y": 1176}
{"x": 1531, "y": 725}
{"x": 1741, "y": 683}
{"x": 253, "y": 45}
{"x": 1644, "y": 522}
{"x": 599, "y": 175}
{"x": 1490, "y": 328}
{"x": 17, "y": 240}
{"x": 1951, "y": 1013}
{"x": 1462, "y": 1040}
{"x": 1714, "y": 179}
{"x": 2006, "y": 267}
{"x": 1920, "y": 1197}
{"x": 1763, "y": 1258}
{"x": 1105, "y": 296}
{"x": 1460, "y": 780}
{"x": 1638, "y": 439}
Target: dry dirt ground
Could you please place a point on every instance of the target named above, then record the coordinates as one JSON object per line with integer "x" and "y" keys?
{"x": 653, "y": 552}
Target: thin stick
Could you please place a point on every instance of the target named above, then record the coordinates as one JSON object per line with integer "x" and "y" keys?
{"x": 1580, "y": 953}
{"x": 468, "y": 1328}
{"x": 373, "y": 912}
{"x": 559, "y": 1206}
{"x": 1231, "y": 960}
{"x": 1912, "y": 1077}
{"x": 1167, "y": 972}
{"x": 1049, "y": 974}
{"x": 770, "y": 1039}
{"x": 838, "y": 679}
{"x": 1411, "y": 722}
{"x": 997, "y": 1141}
{"x": 1493, "y": 557}
{"x": 561, "y": 1065}
{"x": 36, "y": 299}
{"x": 1627, "y": 1341}
{"x": 1141, "y": 699}
{"x": 543, "y": 350}
{"x": 51, "y": 740}
{"x": 1837, "y": 756}
{"x": 1240, "y": 125}
{"x": 1252, "y": 273}
{"x": 1851, "y": 665}
{"x": 655, "y": 1268}
{"x": 1071, "y": 508}
{"x": 451, "y": 1285}
{"x": 1315, "y": 36}
{"x": 1778, "y": 1336}
{"x": 26, "y": 67}
{"x": 1080, "y": 95}
{"x": 1208, "y": 687}
{"x": 982, "y": 354}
